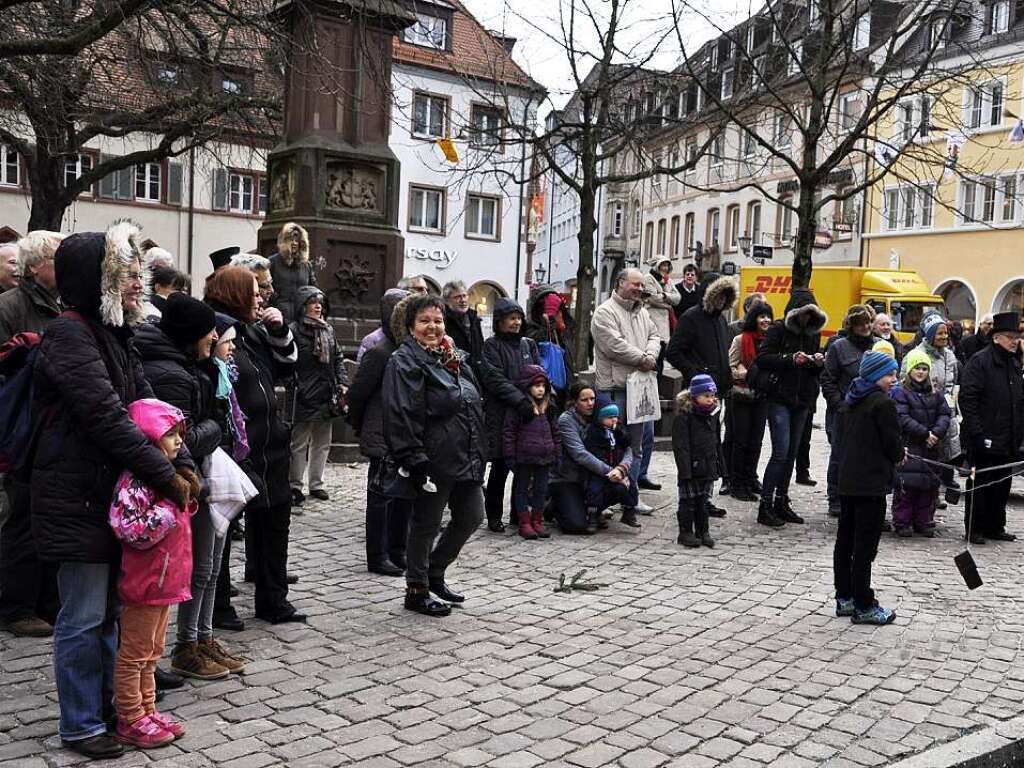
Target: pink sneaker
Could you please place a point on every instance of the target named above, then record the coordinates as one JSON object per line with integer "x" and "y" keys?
{"x": 144, "y": 733}
{"x": 169, "y": 724}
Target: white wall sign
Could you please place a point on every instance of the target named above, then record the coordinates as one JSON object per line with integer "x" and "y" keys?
{"x": 439, "y": 256}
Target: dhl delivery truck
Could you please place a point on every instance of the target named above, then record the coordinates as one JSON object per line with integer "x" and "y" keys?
{"x": 900, "y": 293}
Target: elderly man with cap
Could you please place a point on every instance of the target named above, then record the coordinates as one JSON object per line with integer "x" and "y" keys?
{"x": 992, "y": 401}
{"x": 842, "y": 361}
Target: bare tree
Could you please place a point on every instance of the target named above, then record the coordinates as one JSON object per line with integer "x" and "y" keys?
{"x": 167, "y": 77}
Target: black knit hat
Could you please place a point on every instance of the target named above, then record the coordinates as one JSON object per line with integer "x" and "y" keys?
{"x": 186, "y": 320}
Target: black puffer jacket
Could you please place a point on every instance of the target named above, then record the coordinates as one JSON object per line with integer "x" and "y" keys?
{"x": 921, "y": 410}
{"x": 317, "y": 385}
{"x": 288, "y": 279}
{"x": 870, "y": 445}
{"x": 504, "y": 356}
{"x": 264, "y": 359}
{"x": 700, "y": 343}
{"x": 433, "y": 418}
{"x": 695, "y": 444}
{"x": 470, "y": 340}
{"x": 779, "y": 377}
{"x": 365, "y": 401}
{"x": 27, "y": 308}
{"x": 176, "y": 379}
{"x": 85, "y": 376}
{"x": 992, "y": 402}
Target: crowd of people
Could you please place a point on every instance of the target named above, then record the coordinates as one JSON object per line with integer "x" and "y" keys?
{"x": 158, "y": 439}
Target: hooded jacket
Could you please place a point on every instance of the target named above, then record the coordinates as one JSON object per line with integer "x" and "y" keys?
{"x": 317, "y": 384}
{"x": 86, "y": 374}
{"x": 177, "y": 379}
{"x": 468, "y": 334}
{"x": 945, "y": 376}
{"x": 992, "y": 399}
{"x": 433, "y": 419}
{"x": 701, "y": 341}
{"x": 560, "y": 328}
{"x": 290, "y": 273}
{"x": 504, "y": 357}
{"x": 779, "y": 377}
{"x": 29, "y": 308}
{"x": 534, "y": 440}
{"x": 156, "y": 560}
{"x": 842, "y": 364}
{"x": 870, "y": 444}
{"x": 623, "y": 335}
{"x": 365, "y": 400}
{"x": 920, "y": 410}
{"x": 695, "y": 444}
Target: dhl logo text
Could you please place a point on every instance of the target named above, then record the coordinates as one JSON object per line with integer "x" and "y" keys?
{"x": 768, "y": 284}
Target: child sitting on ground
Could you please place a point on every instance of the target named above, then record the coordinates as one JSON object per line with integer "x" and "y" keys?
{"x": 698, "y": 455}
{"x": 609, "y": 442}
{"x": 156, "y": 573}
{"x": 531, "y": 447}
{"x": 924, "y": 418}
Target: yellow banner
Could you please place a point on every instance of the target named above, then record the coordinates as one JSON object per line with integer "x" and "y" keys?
{"x": 448, "y": 147}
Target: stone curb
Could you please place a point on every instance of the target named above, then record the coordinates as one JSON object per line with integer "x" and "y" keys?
{"x": 995, "y": 747}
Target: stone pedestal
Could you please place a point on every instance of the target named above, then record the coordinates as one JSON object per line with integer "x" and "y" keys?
{"x": 334, "y": 172}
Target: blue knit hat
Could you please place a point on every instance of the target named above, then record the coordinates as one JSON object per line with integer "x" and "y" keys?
{"x": 604, "y": 407}
{"x": 874, "y": 365}
{"x": 930, "y": 324}
{"x": 702, "y": 383}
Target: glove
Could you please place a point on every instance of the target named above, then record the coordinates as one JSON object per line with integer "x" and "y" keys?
{"x": 194, "y": 485}
{"x": 525, "y": 410}
{"x": 418, "y": 474}
{"x": 179, "y": 491}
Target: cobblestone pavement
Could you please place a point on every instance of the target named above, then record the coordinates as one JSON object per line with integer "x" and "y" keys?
{"x": 690, "y": 658}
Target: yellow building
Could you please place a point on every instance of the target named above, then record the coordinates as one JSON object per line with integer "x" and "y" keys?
{"x": 952, "y": 206}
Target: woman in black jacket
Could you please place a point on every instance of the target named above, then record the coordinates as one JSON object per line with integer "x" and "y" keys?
{"x": 505, "y": 354}
{"x": 433, "y": 425}
{"x": 386, "y": 518}
{"x": 265, "y": 354}
{"x": 788, "y": 365}
{"x": 172, "y": 352}
{"x": 86, "y": 374}
{"x": 318, "y": 388}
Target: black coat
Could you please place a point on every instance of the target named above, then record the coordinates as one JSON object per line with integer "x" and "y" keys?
{"x": 992, "y": 403}
{"x": 317, "y": 385}
{"x": 504, "y": 356}
{"x": 264, "y": 360}
{"x": 432, "y": 417}
{"x": 86, "y": 374}
{"x": 871, "y": 445}
{"x": 287, "y": 281}
{"x": 972, "y": 345}
{"x": 176, "y": 379}
{"x": 470, "y": 341}
{"x": 695, "y": 444}
{"x": 778, "y": 376}
{"x": 920, "y": 411}
{"x": 28, "y": 308}
{"x": 842, "y": 365}
{"x": 700, "y": 344}
{"x": 687, "y": 299}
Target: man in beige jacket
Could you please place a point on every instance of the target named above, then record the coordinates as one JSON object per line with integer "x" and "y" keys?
{"x": 625, "y": 340}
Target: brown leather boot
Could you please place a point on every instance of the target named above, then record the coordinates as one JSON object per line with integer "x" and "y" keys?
{"x": 214, "y": 651}
{"x": 191, "y": 662}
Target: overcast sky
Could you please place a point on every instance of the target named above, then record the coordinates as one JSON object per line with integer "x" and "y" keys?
{"x": 647, "y": 28}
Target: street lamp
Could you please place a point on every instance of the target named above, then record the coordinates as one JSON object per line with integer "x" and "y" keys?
{"x": 539, "y": 273}
{"x": 744, "y": 243}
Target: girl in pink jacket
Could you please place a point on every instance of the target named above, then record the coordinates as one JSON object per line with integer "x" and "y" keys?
{"x": 156, "y": 571}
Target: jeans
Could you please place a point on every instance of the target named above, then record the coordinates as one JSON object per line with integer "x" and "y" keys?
{"x": 495, "y": 495}
{"x": 570, "y": 501}
{"x": 425, "y": 560}
{"x": 988, "y": 505}
{"x": 143, "y": 629}
{"x": 748, "y": 420}
{"x": 860, "y": 528}
{"x": 648, "y": 443}
{"x": 529, "y": 487}
{"x": 786, "y": 425}
{"x": 28, "y": 586}
{"x": 803, "y": 453}
{"x": 311, "y": 444}
{"x": 635, "y": 433}
{"x": 85, "y": 647}
{"x": 267, "y": 527}
{"x": 195, "y": 617}
{"x": 387, "y": 524}
{"x": 832, "y": 479}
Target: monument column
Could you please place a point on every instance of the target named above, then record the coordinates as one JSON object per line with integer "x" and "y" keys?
{"x": 334, "y": 172}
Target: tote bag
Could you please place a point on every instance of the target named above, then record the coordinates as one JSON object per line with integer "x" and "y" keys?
{"x": 643, "y": 402}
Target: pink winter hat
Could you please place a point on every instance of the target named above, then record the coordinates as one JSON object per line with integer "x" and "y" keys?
{"x": 155, "y": 417}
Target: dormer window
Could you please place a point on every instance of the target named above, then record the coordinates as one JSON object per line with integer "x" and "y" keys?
{"x": 813, "y": 13}
{"x": 796, "y": 57}
{"x": 429, "y": 31}
{"x": 997, "y": 18}
{"x": 937, "y": 32}
{"x": 714, "y": 58}
{"x": 750, "y": 37}
{"x": 728, "y": 79}
{"x": 862, "y": 34}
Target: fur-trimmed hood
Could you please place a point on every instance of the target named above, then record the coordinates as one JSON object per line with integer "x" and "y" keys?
{"x": 802, "y": 303}
{"x": 720, "y": 296}
{"x": 89, "y": 267}
{"x": 397, "y": 324}
{"x": 284, "y": 239}
{"x": 684, "y": 403}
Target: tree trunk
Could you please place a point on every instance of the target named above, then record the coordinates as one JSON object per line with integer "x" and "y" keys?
{"x": 585, "y": 289}
{"x": 49, "y": 201}
{"x": 804, "y": 247}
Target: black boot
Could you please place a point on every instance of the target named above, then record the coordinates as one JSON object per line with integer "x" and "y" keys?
{"x": 629, "y": 517}
{"x": 439, "y": 588}
{"x": 765, "y": 515}
{"x": 785, "y": 512}
{"x": 591, "y": 520}
{"x": 743, "y": 493}
{"x": 419, "y": 599}
{"x": 684, "y": 518}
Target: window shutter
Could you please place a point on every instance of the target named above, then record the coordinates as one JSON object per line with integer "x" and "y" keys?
{"x": 126, "y": 183}
{"x": 107, "y": 182}
{"x": 220, "y": 189}
{"x": 174, "y": 182}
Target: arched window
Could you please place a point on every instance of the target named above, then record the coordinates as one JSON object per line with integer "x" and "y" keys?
{"x": 959, "y": 299}
{"x": 1010, "y": 298}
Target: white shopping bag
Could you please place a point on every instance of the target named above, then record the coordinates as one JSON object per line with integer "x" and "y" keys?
{"x": 643, "y": 403}
{"x": 230, "y": 489}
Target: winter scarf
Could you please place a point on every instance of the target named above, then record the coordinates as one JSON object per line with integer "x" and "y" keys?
{"x": 321, "y": 338}
{"x": 447, "y": 354}
{"x": 859, "y": 389}
{"x": 705, "y": 408}
{"x": 749, "y": 342}
{"x": 227, "y": 375}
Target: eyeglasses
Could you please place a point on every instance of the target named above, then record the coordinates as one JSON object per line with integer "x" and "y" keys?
{"x": 132, "y": 277}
